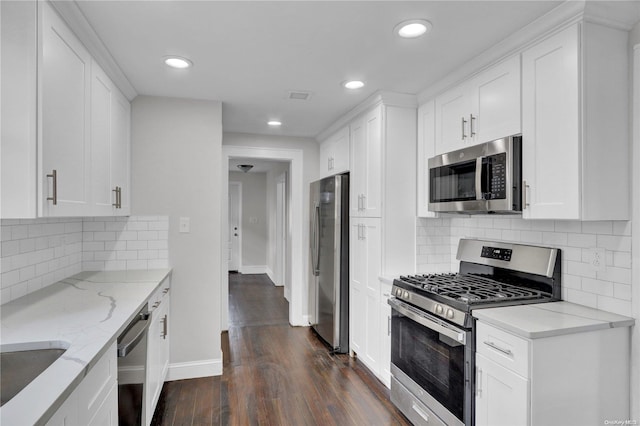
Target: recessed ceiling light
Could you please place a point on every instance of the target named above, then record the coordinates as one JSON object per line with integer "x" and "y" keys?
{"x": 177, "y": 62}
{"x": 274, "y": 123}
{"x": 353, "y": 84}
{"x": 412, "y": 28}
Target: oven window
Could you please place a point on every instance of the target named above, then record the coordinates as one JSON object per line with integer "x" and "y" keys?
{"x": 456, "y": 182}
{"x": 433, "y": 361}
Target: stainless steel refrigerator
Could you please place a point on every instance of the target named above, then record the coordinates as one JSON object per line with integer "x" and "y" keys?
{"x": 329, "y": 283}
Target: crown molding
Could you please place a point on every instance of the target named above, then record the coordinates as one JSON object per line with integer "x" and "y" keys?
{"x": 401, "y": 100}
{"x": 620, "y": 15}
{"x": 73, "y": 16}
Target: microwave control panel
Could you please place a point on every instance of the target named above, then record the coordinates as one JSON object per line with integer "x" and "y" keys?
{"x": 495, "y": 173}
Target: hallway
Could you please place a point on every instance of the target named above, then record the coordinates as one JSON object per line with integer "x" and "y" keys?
{"x": 275, "y": 374}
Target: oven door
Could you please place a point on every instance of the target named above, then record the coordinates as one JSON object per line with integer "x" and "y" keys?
{"x": 433, "y": 359}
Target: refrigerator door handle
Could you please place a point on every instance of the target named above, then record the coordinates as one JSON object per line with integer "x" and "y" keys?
{"x": 316, "y": 241}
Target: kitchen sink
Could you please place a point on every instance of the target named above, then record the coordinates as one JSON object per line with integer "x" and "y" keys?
{"x": 20, "y": 364}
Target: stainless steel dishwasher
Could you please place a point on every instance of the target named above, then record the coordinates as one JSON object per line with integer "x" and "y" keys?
{"x": 132, "y": 345}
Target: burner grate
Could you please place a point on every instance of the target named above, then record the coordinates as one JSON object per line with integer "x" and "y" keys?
{"x": 471, "y": 289}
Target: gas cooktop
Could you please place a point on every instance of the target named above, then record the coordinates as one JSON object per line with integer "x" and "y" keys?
{"x": 491, "y": 274}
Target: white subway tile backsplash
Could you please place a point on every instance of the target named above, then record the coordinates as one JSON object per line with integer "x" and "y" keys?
{"x": 38, "y": 252}
{"x": 609, "y": 289}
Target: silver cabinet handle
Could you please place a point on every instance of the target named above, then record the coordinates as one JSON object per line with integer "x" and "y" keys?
{"x": 498, "y": 348}
{"x": 471, "y": 118}
{"x": 463, "y": 123}
{"x": 388, "y": 325}
{"x": 116, "y": 196}
{"x": 118, "y": 203}
{"x": 524, "y": 194}
{"x": 54, "y": 178}
{"x": 364, "y": 202}
{"x": 479, "y": 382}
{"x": 166, "y": 290}
{"x": 165, "y": 326}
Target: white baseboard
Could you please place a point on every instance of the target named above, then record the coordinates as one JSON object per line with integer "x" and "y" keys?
{"x": 195, "y": 369}
{"x": 130, "y": 374}
{"x": 306, "y": 319}
{"x": 177, "y": 371}
{"x": 255, "y": 269}
{"x": 272, "y": 277}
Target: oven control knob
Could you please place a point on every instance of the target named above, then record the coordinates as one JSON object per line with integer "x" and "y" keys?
{"x": 439, "y": 309}
{"x": 449, "y": 313}
{"x": 405, "y": 294}
{"x": 399, "y": 292}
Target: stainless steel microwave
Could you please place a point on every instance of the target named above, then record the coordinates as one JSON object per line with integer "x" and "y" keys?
{"x": 484, "y": 178}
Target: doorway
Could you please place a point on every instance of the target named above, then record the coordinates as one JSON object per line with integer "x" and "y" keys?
{"x": 297, "y": 248}
{"x": 235, "y": 233}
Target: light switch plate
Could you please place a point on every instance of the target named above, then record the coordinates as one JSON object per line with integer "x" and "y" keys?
{"x": 185, "y": 225}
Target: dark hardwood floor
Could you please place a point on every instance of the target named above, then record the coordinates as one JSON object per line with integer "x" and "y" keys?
{"x": 275, "y": 374}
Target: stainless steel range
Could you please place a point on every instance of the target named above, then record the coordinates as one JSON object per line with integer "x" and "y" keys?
{"x": 432, "y": 329}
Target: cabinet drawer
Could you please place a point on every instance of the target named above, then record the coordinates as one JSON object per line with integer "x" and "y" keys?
{"x": 156, "y": 298}
{"x": 503, "y": 348}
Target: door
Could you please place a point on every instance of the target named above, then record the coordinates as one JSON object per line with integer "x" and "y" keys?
{"x": 452, "y": 120}
{"x": 281, "y": 234}
{"x": 234, "y": 236}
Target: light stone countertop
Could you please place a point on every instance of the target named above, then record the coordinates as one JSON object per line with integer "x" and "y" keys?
{"x": 550, "y": 319}
{"x": 87, "y": 312}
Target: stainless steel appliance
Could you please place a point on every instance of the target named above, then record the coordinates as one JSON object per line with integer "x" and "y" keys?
{"x": 432, "y": 330}
{"x": 131, "y": 397}
{"x": 484, "y": 178}
{"x": 329, "y": 292}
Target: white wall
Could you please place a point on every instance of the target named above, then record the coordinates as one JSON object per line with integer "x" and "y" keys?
{"x": 254, "y": 221}
{"x": 272, "y": 182}
{"x": 176, "y": 154}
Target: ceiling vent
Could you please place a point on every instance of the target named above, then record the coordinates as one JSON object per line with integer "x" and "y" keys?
{"x": 299, "y": 96}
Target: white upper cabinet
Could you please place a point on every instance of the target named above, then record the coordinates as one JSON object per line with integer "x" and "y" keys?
{"x": 65, "y": 120}
{"x": 496, "y": 102}
{"x": 110, "y": 146}
{"x": 366, "y": 164}
{"x": 483, "y": 108}
{"x": 334, "y": 153}
{"x": 575, "y": 145}
{"x": 426, "y": 149}
{"x": 66, "y": 127}
{"x": 18, "y": 108}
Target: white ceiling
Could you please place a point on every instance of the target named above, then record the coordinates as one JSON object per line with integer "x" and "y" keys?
{"x": 259, "y": 165}
{"x": 250, "y": 54}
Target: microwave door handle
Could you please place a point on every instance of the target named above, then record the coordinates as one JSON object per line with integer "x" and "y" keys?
{"x": 479, "y": 178}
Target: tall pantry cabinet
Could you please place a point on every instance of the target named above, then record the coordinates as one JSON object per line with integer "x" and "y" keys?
{"x": 65, "y": 125}
{"x": 382, "y": 219}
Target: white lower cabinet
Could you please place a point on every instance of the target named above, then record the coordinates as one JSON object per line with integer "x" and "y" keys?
{"x": 569, "y": 379}
{"x": 157, "y": 348}
{"x": 384, "y": 312}
{"x": 501, "y": 395}
{"x": 95, "y": 400}
{"x": 364, "y": 265}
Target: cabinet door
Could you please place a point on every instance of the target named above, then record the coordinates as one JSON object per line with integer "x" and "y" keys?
{"x": 157, "y": 356}
{"x": 357, "y": 281}
{"x": 340, "y": 156}
{"x": 102, "y": 95}
{"x": 550, "y": 127}
{"x": 18, "y": 109}
{"x": 372, "y": 183}
{"x": 502, "y": 396}
{"x": 370, "y": 237}
{"x": 426, "y": 150}
{"x": 385, "y": 335}
{"x": 452, "y": 119}
{"x": 356, "y": 181}
{"x": 326, "y": 151}
{"x": 121, "y": 152}
{"x": 65, "y": 137}
{"x": 496, "y": 102}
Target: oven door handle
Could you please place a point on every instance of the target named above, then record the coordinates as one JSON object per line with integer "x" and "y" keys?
{"x": 423, "y": 319}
